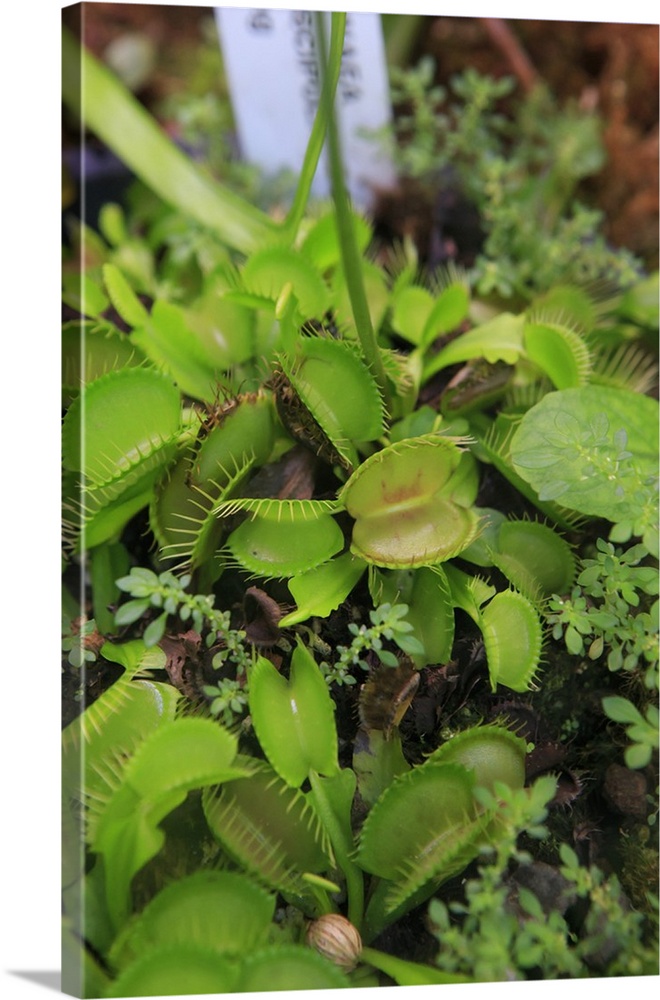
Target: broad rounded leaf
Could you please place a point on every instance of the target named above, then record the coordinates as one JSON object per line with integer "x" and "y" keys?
{"x": 568, "y": 447}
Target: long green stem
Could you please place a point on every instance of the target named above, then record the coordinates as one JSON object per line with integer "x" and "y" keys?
{"x": 109, "y": 110}
{"x": 342, "y": 849}
{"x": 350, "y": 254}
{"x": 319, "y": 128}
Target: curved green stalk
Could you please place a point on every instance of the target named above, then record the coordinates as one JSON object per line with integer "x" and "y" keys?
{"x": 319, "y": 128}
{"x": 109, "y": 110}
{"x": 342, "y": 849}
{"x": 350, "y": 253}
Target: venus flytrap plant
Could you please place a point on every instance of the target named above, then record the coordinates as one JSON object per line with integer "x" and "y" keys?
{"x": 510, "y": 625}
{"x": 251, "y": 340}
{"x": 295, "y": 726}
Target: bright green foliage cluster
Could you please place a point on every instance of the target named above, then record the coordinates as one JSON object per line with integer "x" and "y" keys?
{"x": 500, "y": 934}
{"x": 608, "y": 611}
{"x": 521, "y": 173}
{"x": 165, "y": 590}
{"x": 641, "y": 730}
{"x": 388, "y": 621}
{"x": 611, "y": 611}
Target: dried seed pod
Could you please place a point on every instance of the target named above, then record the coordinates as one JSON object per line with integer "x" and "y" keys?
{"x": 337, "y": 939}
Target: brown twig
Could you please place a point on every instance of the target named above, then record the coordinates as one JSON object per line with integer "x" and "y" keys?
{"x": 503, "y": 37}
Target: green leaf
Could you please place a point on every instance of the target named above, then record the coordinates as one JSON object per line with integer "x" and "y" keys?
{"x": 376, "y": 762}
{"x": 166, "y": 338}
{"x": 566, "y": 447}
{"x": 559, "y": 351}
{"x": 322, "y": 589}
{"x": 294, "y": 719}
{"x": 411, "y": 309}
{"x": 534, "y": 558}
{"x": 449, "y": 311}
{"x": 321, "y": 243}
{"x": 499, "y": 339}
{"x": 405, "y": 973}
{"x": 621, "y": 710}
{"x": 107, "y": 562}
{"x": 179, "y": 969}
{"x": 269, "y": 270}
{"x": 189, "y": 753}
{"x": 422, "y": 830}
{"x": 351, "y": 415}
{"x": 173, "y": 759}
{"x": 89, "y": 351}
{"x": 110, "y": 111}
{"x": 86, "y": 296}
{"x": 155, "y": 630}
{"x": 182, "y": 511}
{"x": 427, "y": 594}
{"x": 131, "y": 611}
{"x": 492, "y": 753}
{"x": 637, "y": 755}
{"x": 123, "y": 297}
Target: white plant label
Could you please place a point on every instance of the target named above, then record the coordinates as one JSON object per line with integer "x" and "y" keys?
{"x": 273, "y": 76}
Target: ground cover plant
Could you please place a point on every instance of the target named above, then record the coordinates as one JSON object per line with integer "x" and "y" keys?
{"x": 360, "y": 569}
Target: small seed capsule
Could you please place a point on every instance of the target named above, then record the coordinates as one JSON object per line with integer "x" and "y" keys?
{"x": 335, "y": 937}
